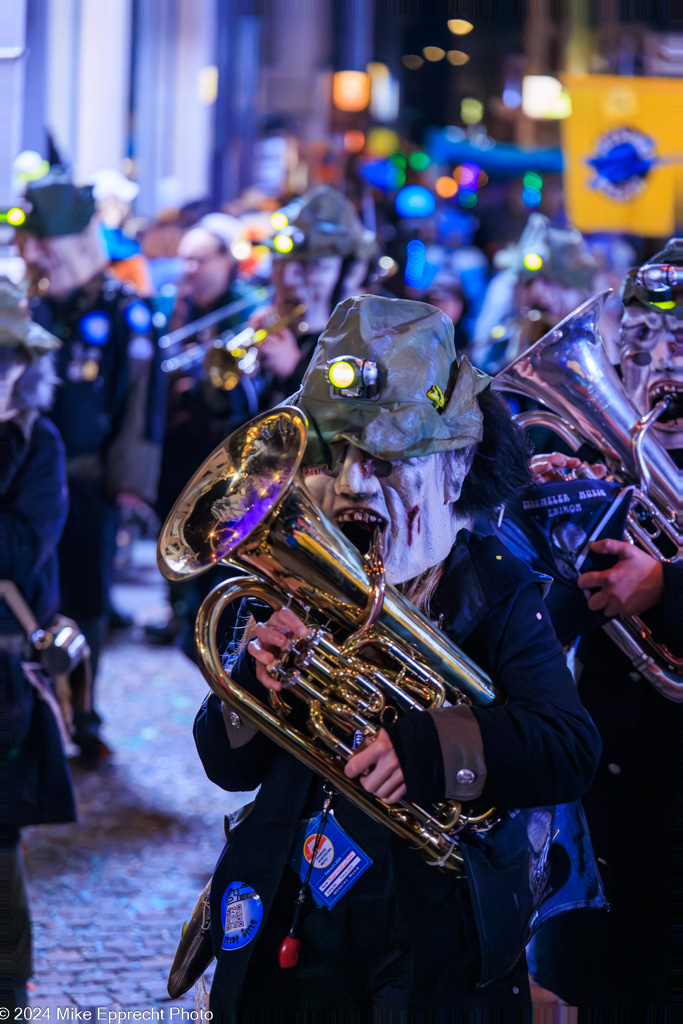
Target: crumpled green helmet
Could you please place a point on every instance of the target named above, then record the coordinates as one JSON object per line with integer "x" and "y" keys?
{"x": 17, "y": 329}
{"x": 326, "y": 224}
{"x": 551, "y": 251}
{"x": 424, "y": 398}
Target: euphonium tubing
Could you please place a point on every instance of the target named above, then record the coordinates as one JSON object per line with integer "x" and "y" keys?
{"x": 248, "y": 507}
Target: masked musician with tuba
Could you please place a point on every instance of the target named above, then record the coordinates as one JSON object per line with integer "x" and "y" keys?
{"x": 631, "y": 689}
{"x": 449, "y": 724}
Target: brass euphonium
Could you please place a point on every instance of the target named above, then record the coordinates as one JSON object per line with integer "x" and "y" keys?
{"x": 568, "y": 371}
{"x": 248, "y": 507}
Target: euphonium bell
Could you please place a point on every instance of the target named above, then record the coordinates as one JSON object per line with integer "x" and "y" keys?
{"x": 248, "y": 507}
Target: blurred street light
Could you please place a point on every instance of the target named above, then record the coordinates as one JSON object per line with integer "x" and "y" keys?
{"x": 460, "y": 27}
{"x": 351, "y": 90}
{"x": 543, "y": 97}
{"x": 471, "y": 110}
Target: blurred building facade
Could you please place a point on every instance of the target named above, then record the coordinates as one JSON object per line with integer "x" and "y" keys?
{"x": 201, "y": 98}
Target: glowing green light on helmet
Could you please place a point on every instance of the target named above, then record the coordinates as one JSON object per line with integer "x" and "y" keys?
{"x": 532, "y": 261}
{"x": 341, "y": 374}
{"x": 283, "y": 243}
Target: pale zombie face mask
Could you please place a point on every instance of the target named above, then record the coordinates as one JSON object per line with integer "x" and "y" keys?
{"x": 311, "y": 282}
{"x": 651, "y": 359}
{"x": 410, "y": 500}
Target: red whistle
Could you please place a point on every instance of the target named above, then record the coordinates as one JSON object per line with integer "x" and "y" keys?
{"x": 288, "y": 955}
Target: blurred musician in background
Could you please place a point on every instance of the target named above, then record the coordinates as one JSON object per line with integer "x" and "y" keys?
{"x": 322, "y": 256}
{"x": 110, "y": 405}
{"x": 543, "y": 278}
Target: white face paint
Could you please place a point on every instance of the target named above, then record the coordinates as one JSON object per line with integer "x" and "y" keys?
{"x": 651, "y": 360}
{"x": 408, "y": 498}
{"x": 311, "y": 282}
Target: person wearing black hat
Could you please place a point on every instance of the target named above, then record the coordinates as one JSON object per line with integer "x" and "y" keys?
{"x": 111, "y": 402}
{"x": 626, "y": 958}
{"x": 407, "y": 439}
{"x": 36, "y": 785}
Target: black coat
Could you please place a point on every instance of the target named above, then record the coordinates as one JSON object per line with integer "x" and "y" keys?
{"x": 625, "y": 957}
{"x": 540, "y": 748}
{"x": 111, "y": 403}
{"x": 33, "y": 505}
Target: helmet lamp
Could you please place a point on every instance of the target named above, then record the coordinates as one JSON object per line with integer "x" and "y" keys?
{"x": 351, "y": 377}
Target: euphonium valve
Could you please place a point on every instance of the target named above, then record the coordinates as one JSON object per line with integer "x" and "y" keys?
{"x": 369, "y": 655}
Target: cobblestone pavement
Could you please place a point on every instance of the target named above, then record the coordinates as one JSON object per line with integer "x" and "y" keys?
{"x": 109, "y": 895}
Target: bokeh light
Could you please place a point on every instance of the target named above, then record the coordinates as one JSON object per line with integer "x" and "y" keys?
{"x": 460, "y": 27}
{"x": 351, "y": 90}
{"x": 433, "y": 53}
{"x": 279, "y": 220}
{"x": 446, "y": 187}
{"x": 419, "y": 161}
{"x": 415, "y": 201}
{"x": 457, "y": 57}
{"x": 471, "y": 110}
{"x": 412, "y": 61}
{"x": 415, "y": 263}
{"x": 382, "y": 142}
{"x": 354, "y": 141}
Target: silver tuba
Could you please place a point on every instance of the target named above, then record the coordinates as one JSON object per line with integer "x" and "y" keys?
{"x": 568, "y": 371}
{"x": 248, "y": 507}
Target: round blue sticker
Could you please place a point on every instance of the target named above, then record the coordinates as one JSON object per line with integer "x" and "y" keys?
{"x": 139, "y": 317}
{"x": 241, "y": 914}
{"x": 94, "y": 328}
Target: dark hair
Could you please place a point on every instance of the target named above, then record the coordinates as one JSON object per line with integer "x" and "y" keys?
{"x": 500, "y": 466}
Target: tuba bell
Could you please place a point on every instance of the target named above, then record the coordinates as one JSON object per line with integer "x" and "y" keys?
{"x": 248, "y": 507}
{"x": 568, "y": 371}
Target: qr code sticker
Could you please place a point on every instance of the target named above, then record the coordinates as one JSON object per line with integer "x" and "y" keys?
{"x": 234, "y": 917}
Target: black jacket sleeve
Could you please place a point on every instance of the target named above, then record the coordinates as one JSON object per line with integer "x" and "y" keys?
{"x": 540, "y": 745}
{"x": 236, "y": 766}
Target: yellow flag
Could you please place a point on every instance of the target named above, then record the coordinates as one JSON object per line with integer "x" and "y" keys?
{"x": 623, "y": 151}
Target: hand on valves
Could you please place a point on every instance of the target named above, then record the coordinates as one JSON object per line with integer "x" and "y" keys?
{"x": 375, "y": 762}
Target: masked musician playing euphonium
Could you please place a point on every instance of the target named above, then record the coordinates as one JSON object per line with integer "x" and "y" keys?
{"x": 626, "y": 957}
{"x": 407, "y": 439}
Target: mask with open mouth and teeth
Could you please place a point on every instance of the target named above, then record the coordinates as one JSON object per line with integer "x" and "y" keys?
{"x": 409, "y": 501}
{"x": 651, "y": 358}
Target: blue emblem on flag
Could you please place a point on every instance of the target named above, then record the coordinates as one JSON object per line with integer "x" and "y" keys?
{"x": 623, "y": 159}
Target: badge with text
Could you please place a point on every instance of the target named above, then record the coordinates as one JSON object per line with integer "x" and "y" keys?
{"x": 559, "y": 520}
{"x": 241, "y": 914}
{"x": 339, "y": 862}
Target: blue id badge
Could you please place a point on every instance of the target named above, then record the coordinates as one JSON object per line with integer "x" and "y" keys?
{"x": 338, "y": 864}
